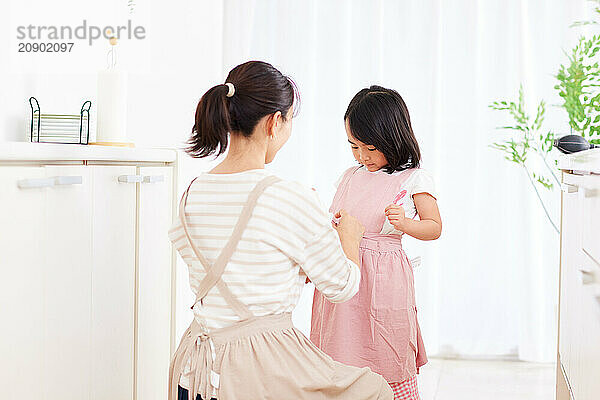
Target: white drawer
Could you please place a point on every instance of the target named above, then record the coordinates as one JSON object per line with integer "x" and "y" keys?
{"x": 589, "y": 192}
{"x": 589, "y": 356}
{"x": 587, "y": 189}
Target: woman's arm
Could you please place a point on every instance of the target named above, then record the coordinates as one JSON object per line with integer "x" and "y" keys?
{"x": 429, "y": 227}
{"x": 327, "y": 255}
{"x": 334, "y": 272}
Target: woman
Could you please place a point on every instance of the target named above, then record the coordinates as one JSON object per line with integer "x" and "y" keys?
{"x": 250, "y": 239}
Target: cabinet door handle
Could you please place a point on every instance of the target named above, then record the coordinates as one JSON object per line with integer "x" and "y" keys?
{"x": 590, "y": 192}
{"x": 35, "y": 183}
{"x": 568, "y": 188}
{"x": 68, "y": 180}
{"x": 130, "y": 178}
{"x": 154, "y": 178}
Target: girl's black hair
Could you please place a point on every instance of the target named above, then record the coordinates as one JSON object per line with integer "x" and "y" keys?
{"x": 379, "y": 117}
{"x": 260, "y": 90}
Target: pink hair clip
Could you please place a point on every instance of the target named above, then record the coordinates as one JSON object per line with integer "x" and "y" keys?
{"x": 399, "y": 197}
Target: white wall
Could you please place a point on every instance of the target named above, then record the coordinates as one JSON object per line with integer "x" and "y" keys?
{"x": 168, "y": 70}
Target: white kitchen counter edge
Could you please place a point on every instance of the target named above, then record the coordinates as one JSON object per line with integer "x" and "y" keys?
{"x": 26, "y": 151}
{"x": 588, "y": 161}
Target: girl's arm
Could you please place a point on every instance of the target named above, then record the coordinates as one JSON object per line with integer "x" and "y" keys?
{"x": 429, "y": 227}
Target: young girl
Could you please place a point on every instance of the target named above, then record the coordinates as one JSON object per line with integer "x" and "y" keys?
{"x": 378, "y": 327}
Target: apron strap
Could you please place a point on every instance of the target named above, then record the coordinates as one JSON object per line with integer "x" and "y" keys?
{"x": 339, "y": 194}
{"x": 223, "y": 289}
{"x": 219, "y": 266}
{"x": 214, "y": 272}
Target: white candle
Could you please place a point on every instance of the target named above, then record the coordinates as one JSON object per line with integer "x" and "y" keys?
{"x": 111, "y": 123}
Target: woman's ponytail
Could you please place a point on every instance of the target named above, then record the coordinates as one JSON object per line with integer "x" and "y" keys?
{"x": 212, "y": 123}
{"x": 253, "y": 90}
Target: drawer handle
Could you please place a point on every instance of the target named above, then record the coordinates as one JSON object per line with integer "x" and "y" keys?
{"x": 154, "y": 178}
{"x": 588, "y": 277}
{"x": 68, "y": 180}
{"x": 35, "y": 183}
{"x": 130, "y": 178}
{"x": 568, "y": 188}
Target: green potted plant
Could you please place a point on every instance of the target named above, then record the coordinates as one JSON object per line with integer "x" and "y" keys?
{"x": 579, "y": 87}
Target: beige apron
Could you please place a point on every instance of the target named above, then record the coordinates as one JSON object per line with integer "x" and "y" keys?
{"x": 260, "y": 357}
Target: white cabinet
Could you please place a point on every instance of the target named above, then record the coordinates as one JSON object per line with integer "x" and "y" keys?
{"x": 579, "y": 318}
{"x": 588, "y": 374}
{"x": 21, "y": 286}
{"x": 86, "y": 287}
{"x": 66, "y": 272}
{"x": 113, "y": 282}
{"x": 154, "y": 284}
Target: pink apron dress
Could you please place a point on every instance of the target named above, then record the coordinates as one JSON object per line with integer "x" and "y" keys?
{"x": 260, "y": 357}
{"x": 378, "y": 327}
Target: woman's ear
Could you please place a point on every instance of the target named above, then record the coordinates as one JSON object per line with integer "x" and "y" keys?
{"x": 274, "y": 124}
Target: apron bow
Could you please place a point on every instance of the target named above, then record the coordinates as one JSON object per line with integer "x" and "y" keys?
{"x": 202, "y": 363}
{"x": 199, "y": 352}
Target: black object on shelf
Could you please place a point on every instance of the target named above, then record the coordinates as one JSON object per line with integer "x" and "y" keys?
{"x": 59, "y": 128}
{"x": 573, "y": 144}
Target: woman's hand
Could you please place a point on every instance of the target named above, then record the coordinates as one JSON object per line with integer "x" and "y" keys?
{"x": 350, "y": 231}
{"x": 348, "y": 227}
{"x": 396, "y": 215}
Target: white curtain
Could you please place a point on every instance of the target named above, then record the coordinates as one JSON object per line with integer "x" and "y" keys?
{"x": 488, "y": 287}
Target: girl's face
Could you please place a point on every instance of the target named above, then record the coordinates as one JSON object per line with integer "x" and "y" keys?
{"x": 365, "y": 154}
{"x": 279, "y": 133}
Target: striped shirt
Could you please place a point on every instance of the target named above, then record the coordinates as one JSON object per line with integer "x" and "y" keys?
{"x": 288, "y": 237}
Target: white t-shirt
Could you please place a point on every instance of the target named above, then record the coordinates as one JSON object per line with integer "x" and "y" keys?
{"x": 420, "y": 181}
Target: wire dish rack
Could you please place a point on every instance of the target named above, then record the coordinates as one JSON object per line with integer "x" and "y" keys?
{"x": 59, "y": 128}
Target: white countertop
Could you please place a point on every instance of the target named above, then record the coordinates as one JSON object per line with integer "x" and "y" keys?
{"x": 26, "y": 151}
{"x": 588, "y": 161}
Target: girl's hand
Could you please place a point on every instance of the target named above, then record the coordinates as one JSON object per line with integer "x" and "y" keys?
{"x": 396, "y": 215}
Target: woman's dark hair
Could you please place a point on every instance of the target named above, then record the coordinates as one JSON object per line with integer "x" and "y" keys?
{"x": 379, "y": 117}
{"x": 260, "y": 90}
